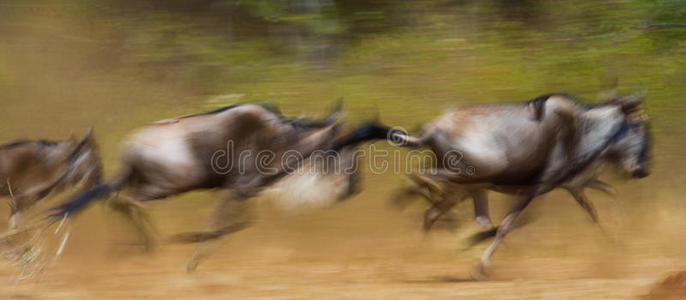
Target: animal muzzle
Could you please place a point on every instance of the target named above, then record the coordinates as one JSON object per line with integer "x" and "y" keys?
{"x": 640, "y": 173}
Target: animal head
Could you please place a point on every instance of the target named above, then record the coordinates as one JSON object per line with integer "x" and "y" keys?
{"x": 633, "y": 147}
{"x": 314, "y": 134}
{"x": 84, "y": 162}
{"x": 330, "y": 174}
{"x": 617, "y": 127}
{"x": 321, "y": 180}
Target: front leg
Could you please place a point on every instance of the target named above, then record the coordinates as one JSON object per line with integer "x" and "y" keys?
{"x": 230, "y": 216}
{"x": 508, "y": 225}
{"x": 582, "y": 200}
{"x": 601, "y": 186}
{"x": 588, "y": 207}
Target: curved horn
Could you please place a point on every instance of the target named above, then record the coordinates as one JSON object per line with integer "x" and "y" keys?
{"x": 84, "y": 140}
{"x": 610, "y": 93}
{"x": 336, "y": 112}
{"x": 630, "y": 103}
{"x": 87, "y": 136}
{"x": 644, "y": 91}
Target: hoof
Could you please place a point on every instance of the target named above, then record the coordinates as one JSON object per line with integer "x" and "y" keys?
{"x": 149, "y": 247}
{"x": 430, "y": 217}
{"x": 426, "y": 227}
{"x": 485, "y": 223}
{"x": 480, "y": 273}
{"x": 13, "y": 222}
{"x": 191, "y": 266}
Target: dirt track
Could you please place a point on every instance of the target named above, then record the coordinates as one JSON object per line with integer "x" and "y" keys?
{"x": 338, "y": 253}
{"x": 66, "y": 68}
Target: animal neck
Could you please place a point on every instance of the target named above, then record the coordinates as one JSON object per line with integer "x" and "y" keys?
{"x": 313, "y": 139}
{"x": 596, "y": 137}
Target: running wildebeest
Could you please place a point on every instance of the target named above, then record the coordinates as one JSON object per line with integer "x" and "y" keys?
{"x": 503, "y": 146}
{"x": 431, "y": 190}
{"x": 32, "y": 169}
{"x": 240, "y": 149}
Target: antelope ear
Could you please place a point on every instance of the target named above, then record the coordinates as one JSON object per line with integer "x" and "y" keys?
{"x": 89, "y": 134}
{"x": 609, "y": 93}
{"x": 86, "y": 139}
{"x": 335, "y": 115}
{"x": 537, "y": 107}
{"x": 630, "y": 103}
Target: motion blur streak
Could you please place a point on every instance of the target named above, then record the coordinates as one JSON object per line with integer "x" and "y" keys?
{"x": 117, "y": 65}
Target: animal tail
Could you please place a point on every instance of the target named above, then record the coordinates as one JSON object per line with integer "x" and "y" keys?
{"x": 375, "y": 131}
{"x": 99, "y": 192}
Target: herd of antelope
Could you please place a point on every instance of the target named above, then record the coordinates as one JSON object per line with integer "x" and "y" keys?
{"x": 526, "y": 149}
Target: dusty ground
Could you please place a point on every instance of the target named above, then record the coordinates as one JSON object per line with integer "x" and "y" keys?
{"x": 356, "y": 250}
{"x": 66, "y": 68}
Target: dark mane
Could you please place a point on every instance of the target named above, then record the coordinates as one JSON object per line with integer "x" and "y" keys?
{"x": 605, "y": 102}
{"x": 582, "y": 102}
{"x": 303, "y": 123}
{"x": 538, "y": 102}
{"x": 542, "y": 98}
{"x": 18, "y": 143}
{"x": 577, "y": 99}
{"x": 212, "y": 112}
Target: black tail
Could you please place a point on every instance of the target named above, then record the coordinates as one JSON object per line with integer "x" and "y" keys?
{"x": 80, "y": 201}
{"x": 367, "y": 132}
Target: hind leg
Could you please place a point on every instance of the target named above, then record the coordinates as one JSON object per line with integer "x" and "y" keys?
{"x": 19, "y": 204}
{"x": 452, "y": 196}
{"x": 437, "y": 210}
{"x": 131, "y": 207}
{"x": 229, "y": 216}
{"x": 481, "y": 214}
{"x": 15, "y": 214}
{"x": 427, "y": 190}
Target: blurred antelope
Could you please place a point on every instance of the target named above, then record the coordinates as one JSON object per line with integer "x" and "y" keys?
{"x": 530, "y": 149}
{"x": 190, "y": 152}
{"x": 32, "y": 169}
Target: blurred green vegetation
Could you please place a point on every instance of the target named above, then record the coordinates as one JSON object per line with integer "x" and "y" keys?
{"x": 117, "y": 65}
{"x": 375, "y": 53}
